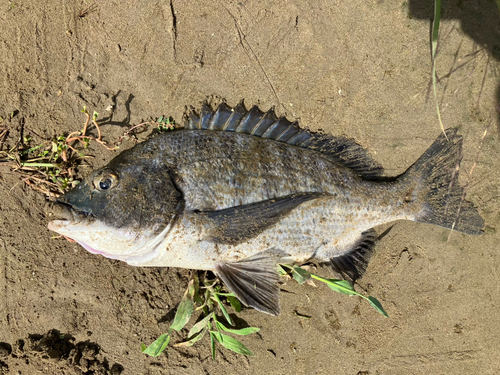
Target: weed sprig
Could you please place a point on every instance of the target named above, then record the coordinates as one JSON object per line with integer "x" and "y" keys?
{"x": 50, "y": 167}
{"x": 207, "y": 297}
{"x": 212, "y": 298}
{"x": 162, "y": 124}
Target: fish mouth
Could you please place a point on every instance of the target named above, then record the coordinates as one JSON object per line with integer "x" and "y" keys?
{"x": 65, "y": 215}
{"x": 63, "y": 211}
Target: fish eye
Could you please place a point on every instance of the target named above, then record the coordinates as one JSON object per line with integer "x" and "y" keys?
{"x": 106, "y": 184}
{"x": 105, "y": 181}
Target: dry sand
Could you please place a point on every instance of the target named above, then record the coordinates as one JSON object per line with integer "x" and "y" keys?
{"x": 356, "y": 68}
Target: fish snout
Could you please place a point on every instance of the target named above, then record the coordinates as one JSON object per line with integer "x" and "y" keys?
{"x": 64, "y": 212}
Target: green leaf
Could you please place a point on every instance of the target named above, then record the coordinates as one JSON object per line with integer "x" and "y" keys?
{"x": 157, "y": 347}
{"x": 281, "y": 270}
{"x": 342, "y": 286}
{"x": 223, "y": 308}
{"x": 232, "y": 344}
{"x": 183, "y": 314}
{"x": 300, "y": 275}
{"x": 197, "y": 299}
{"x": 302, "y": 315}
{"x": 35, "y": 165}
{"x": 212, "y": 343}
{"x": 193, "y": 286}
{"x": 200, "y": 325}
{"x": 186, "y": 307}
{"x": 377, "y": 305}
{"x": 24, "y": 152}
{"x": 241, "y": 332}
{"x": 194, "y": 339}
{"x": 160, "y": 119}
{"x": 235, "y": 303}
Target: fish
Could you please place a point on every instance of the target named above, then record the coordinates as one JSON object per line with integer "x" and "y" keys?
{"x": 238, "y": 191}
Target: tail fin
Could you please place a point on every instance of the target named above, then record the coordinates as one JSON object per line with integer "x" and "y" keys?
{"x": 437, "y": 174}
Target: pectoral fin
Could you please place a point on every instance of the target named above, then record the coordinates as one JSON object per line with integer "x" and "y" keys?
{"x": 242, "y": 223}
{"x": 253, "y": 281}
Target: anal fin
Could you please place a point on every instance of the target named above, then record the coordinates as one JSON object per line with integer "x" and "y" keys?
{"x": 353, "y": 264}
{"x": 253, "y": 281}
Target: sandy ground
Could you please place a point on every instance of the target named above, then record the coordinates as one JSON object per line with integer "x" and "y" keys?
{"x": 356, "y": 68}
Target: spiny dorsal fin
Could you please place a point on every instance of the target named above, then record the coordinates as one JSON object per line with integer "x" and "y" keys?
{"x": 354, "y": 263}
{"x": 266, "y": 125}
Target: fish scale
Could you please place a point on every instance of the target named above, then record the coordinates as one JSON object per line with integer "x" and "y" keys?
{"x": 267, "y": 168}
{"x": 238, "y": 191}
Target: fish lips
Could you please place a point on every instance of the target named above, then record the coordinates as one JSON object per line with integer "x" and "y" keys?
{"x": 75, "y": 204}
{"x": 66, "y": 212}
{"x": 69, "y": 206}
{"x": 67, "y": 216}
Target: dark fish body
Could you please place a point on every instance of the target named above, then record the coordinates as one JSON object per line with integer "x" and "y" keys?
{"x": 237, "y": 192}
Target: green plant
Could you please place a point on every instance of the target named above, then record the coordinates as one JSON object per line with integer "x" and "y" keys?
{"x": 206, "y": 297}
{"x": 212, "y": 299}
{"x": 165, "y": 124}
{"x": 341, "y": 286}
{"x": 50, "y": 166}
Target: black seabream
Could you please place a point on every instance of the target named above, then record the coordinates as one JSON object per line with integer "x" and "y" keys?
{"x": 238, "y": 191}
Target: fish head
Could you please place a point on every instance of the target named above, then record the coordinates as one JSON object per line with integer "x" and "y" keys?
{"x": 120, "y": 211}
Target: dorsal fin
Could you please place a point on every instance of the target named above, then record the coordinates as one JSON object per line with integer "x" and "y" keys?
{"x": 266, "y": 125}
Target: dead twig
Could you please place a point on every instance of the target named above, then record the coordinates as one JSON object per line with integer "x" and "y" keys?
{"x": 467, "y": 186}
{"x": 84, "y": 12}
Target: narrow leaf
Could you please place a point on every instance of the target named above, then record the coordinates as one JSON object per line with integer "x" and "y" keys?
{"x": 235, "y": 303}
{"x": 281, "y": 270}
{"x": 200, "y": 325}
{"x": 341, "y": 287}
{"x": 345, "y": 286}
{"x": 192, "y": 289}
{"x": 212, "y": 343}
{"x": 183, "y": 314}
{"x": 300, "y": 275}
{"x": 223, "y": 308}
{"x": 157, "y": 347}
{"x": 377, "y": 305}
{"x": 232, "y": 344}
{"x": 302, "y": 315}
{"x": 193, "y": 339}
{"x": 241, "y": 332}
